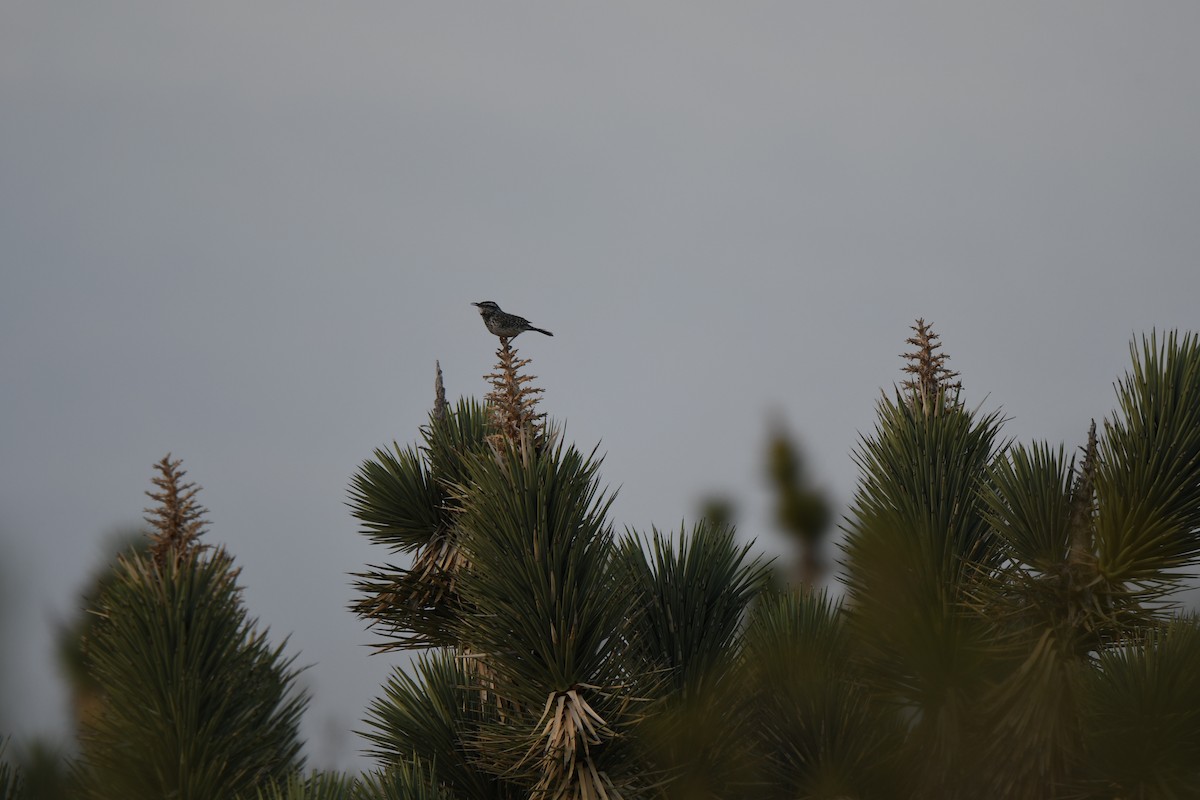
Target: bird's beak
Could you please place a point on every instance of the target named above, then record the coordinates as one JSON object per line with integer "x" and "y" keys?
{"x": 475, "y": 304}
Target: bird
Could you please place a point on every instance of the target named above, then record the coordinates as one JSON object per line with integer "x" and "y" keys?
{"x": 504, "y": 325}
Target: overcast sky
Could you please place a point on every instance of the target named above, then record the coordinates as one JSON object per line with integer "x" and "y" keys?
{"x": 243, "y": 233}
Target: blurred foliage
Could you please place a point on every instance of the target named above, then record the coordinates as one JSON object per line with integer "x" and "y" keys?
{"x": 802, "y": 512}
{"x": 1140, "y": 714}
{"x": 10, "y": 776}
{"x": 72, "y": 636}
{"x": 719, "y": 510}
{"x": 46, "y": 772}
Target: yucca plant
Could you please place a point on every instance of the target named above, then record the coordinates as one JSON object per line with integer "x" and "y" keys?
{"x": 522, "y": 696}
{"x": 1007, "y": 629}
{"x": 1114, "y": 549}
{"x": 916, "y": 530}
{"x": 991, "y": 587}
{"x": 557, "y": 643}
{"x": 195, "y": 703}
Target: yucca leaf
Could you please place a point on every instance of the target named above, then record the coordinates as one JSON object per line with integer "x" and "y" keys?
{"x": 404, "y": 499}
{"x": 921, "y": 474}
{"x": 1031, "y": 717}
{"x": 409, "y": 608}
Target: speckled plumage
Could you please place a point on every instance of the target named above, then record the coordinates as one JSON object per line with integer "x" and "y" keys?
{"x": 506, "y": 326}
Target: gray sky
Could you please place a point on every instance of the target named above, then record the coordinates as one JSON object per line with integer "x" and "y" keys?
{"x": 243, "y": 233}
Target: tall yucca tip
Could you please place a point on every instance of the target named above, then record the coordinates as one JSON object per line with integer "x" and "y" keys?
{"x": 439, "y": 394}
{"x": 1083, "y": 503}
{"x": 1081, "y": 571}
{"x": 931, "y": 378}
{"x": 512, "y": 402}
{"x": 177, "y": 520}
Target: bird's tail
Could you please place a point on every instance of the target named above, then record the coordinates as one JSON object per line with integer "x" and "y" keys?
{"x": 539, "y": 330}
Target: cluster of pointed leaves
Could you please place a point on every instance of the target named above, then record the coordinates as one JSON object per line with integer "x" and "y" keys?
{"x": 317, "y": 786}
{"x": 512, "y": 610}
{"x": 196, "y": 703}
{"x": 695, "y": 590}
{"x": 406, "y": 501}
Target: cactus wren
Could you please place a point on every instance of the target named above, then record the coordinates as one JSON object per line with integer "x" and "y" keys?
{"x": 506, "y": 326}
